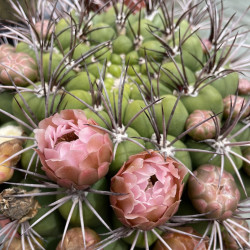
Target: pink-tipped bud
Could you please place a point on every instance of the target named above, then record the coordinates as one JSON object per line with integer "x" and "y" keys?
{"x": 72, "y": 152}
{"x": 206, "y": 45}
{"x": 44, "y": 28}
{"x": 6, "y": 49}
{"x": 235, "y": 102}
{"x": 229, "y": 241}
{"x": 208, "y": 195}
{"x": 206, "y": 130}
{"x": 244, "y": 87}
{"x": 151, "y": 189}
{"x": 74, "y": 240}
{"x": 14, "y": 66}
{"x": 179, "y": 241}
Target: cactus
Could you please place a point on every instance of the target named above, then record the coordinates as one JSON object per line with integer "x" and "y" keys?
{"x": 116, "y": 103}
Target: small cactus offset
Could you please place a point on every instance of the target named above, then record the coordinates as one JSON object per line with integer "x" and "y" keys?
{"x": 124, "y": 125}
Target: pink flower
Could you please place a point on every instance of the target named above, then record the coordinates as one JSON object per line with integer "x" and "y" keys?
{"x": 152, "y": 188}
{"x": 72, "y": 152}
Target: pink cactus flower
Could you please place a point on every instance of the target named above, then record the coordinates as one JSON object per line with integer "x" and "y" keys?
{"x": 244, "y": 87}
{"x": 14, "y": 66}
{"x": 152, "y": 188}
{"x": 74, "y": 240}
{"x": 207, "y": 196}
{"x": 206, "y": 130}
{"x": 72, "y": 152}
{"x": 240, "y": 102}
{"x": 178, "y": 241}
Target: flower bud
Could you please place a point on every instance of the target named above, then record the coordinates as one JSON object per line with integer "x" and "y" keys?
{"x": 244, "y": 87}
{"x": 207, "y": 195}
{"x": 42, "y": 28}
{"x": 206, "y": 130}
{"x": 179, "y": 241}
{"x": 150, "y": 187}
{"x": 72, "y": 152}
{"x": 6, "y": 49}
{"x": 14, "y": 65}
{"x": 235, "y": 102}
{"x": 74, "y": 240}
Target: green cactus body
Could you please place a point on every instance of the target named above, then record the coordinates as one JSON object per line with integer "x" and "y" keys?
{"x": 36, "y": 102}
{"x": 91, "y": 115}
{"x": 124, "y": 150}
{"x": 143, "y": 28}
{"x": 51, "y": 225}
{"x": 101, "y": 32}
{"x": 153, "y": 49}
{"x": 56, "y": 60}
{"x": 63, "y": 33}
{"x": 179, "y": 118}
{"x": 115, "y": 70}
{"x": 70, "y": 102}
{"x": 208, "y": 98}
{"x": 132, "y": 58}
{"x": 169, "y": 78}
{"x": 26, "y": 48}
{"x": 116, "y": 59}
{"x": 200, "y": 158}
{"x": 122, "y": 45}
{"x": 141, "y": 124}
{"x": 5, "y": 104}
{"x": 243, "y": 136}
{"x": 26, "y": 158}
{"x": 81, "y": 82}
{"x": 227, "y": 85}
{"x": 99, "y": 202}
{"x": 191, "y": 52}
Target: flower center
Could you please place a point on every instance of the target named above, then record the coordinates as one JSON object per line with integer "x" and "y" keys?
{"x": 67, "y": 137}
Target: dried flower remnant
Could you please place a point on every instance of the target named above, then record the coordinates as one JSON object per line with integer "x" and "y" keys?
{"x": 207, "y": 130}
{"x": 74, "y": 239}
{"x": 179, "y": 241}
{"x": 152, "y": 188}
{"x": 72, "y": 152}
{"x": 213, "y": 193}
{"x": 7, "y": 150}
{"x": 18, "y": 208}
